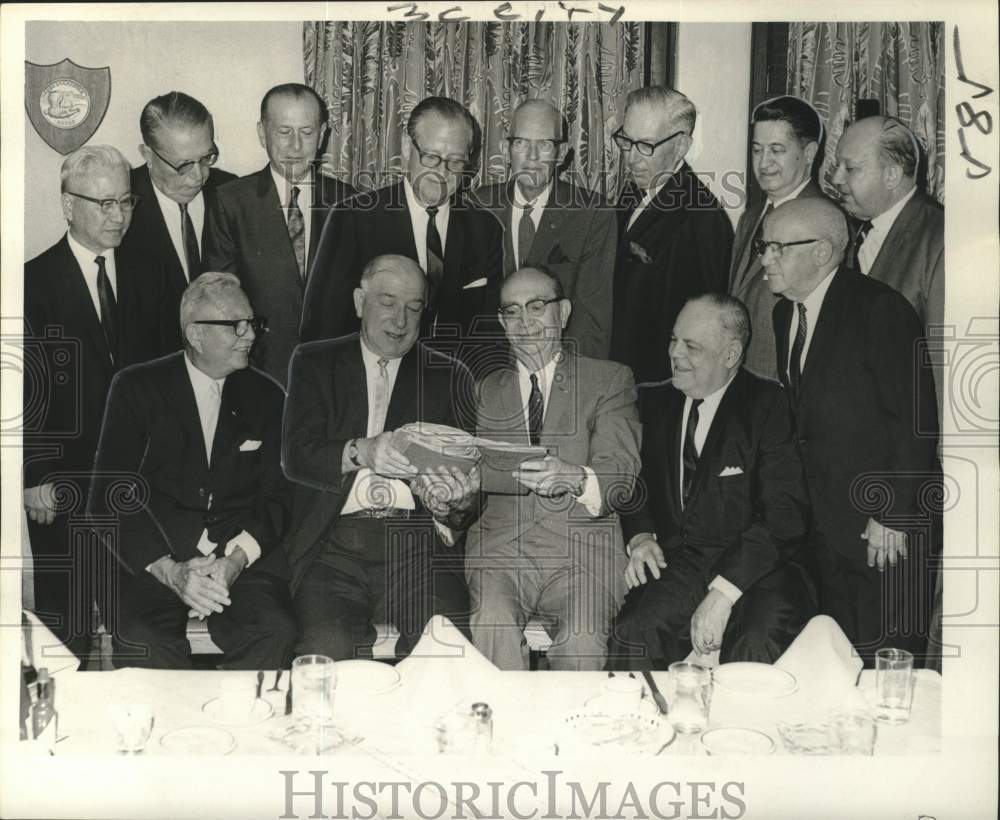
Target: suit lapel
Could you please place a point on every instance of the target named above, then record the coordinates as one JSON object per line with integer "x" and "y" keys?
{"x": 511, "y": 417}
{"x": 231, "y": 420}
{"x": 749, "y": 263}
{"x": 77, "y": 293}
{"x": 732, "y": 400}
{"x": 272, "y": 226}
{"x": 186, "y": 409}
{"x": 782, "y": 327}
{"x": 826, "y": 328}
{"x": 404, "y": 392}
{"x": 559, "y": 410}
{"x": 897, "y": 237}
{"x": 674, "y": 439}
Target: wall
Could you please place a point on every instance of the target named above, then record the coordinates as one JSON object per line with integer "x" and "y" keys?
{"x": 228, "y": 66}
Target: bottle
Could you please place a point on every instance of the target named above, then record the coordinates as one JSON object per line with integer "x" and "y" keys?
{"x": 44, "y": 718}
{"x": 484, "y": 726}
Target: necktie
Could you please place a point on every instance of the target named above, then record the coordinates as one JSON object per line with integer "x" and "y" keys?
{"x": 435, "y": 252}
{"x": 297, "y": 231}
{"x": 190, "y": 241}
{"x": 795, "y": 365}
{"x": 213, "y": 401}
{"x": 379, "y": 492}
{"x": 109, "y": 308}
{"x": 637, "y": 204}
{"x": 690, "y": 452}
{"x": 536, "y": 412}
{"x": 525, "y": 235}
{"x": 859, "y": 240}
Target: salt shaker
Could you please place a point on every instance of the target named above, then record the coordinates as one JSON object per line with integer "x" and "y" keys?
{"x": 483, "y": 715}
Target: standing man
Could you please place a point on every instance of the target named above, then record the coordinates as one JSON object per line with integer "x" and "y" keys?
{"x": 568, "y": 230}
{"x": 900, "y": 240}
{"x": 556, "y": 550}
{"x": 197, "y": 435}
{"x": 175, "y": 188}
{"x": 89, "y": 311}
{"x": 674, "y": 238}
{"x": 265, "y": 227}
{"x": 786, "y": 136}
{"x": 849, "y": 357}
{"x": 423, "y": 217}
{"x": 725, "y": 511}
{"x": 365, "y": 548}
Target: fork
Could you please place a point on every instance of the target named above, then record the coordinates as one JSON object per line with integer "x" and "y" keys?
{"x": 276, "y": 679}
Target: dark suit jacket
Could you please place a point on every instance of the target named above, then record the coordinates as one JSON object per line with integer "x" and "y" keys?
{"x": 866, "y": 415}
{"x": 69, "y": 364}
{"x": 576, "y": 241}
{"x": 152, "y": 440}
{"x": 328, "y": 405}
{"x": 679, "y": 246}
{"x": 376, "y": 223}
{"x": 743, "y": 526}
{"x": 246, "y": 234}
{"x": 147, "y": 237}
{"x": 747, "y": 284}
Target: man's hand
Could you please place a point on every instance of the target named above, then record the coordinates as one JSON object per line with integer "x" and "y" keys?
{"x": 709, "y": 622}
{"x": 883, "y": 543}
{"x": 226, "y": 570}
{"x": 447, "y": 491}
{"x": 191, "y": 582}
{"x": 646, "y": 553}
{"x": 551, "y": 476}
{"x": 40, "y": 503}
{"x": 380, "y": 456}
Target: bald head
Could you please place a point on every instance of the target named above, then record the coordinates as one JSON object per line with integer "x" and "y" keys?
{"x": 805, "y": 240}
{"x": 877, "y": 160}
{"x": 406, "y": 269}
{"x": 534, "y": 147}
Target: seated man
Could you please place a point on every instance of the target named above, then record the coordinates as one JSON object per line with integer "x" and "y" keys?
{"x": 557, "y": 549}
{"x": 189, "y": 461}
{"x": 364, "y": 550}
{"x": 725, "y": 506}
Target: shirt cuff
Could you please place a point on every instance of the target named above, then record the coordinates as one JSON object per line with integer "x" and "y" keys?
{"x": 591, "y": 495}
{"x": 727, "y": 588}
{"x": 247, "y": 543}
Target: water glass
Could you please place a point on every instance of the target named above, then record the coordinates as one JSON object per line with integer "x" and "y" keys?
{"x": 456, "y": 733}
{"x": 133, "y": 724}
{"x": 314, "y": 678}
{"x": 893, "y": 686}
{"x": 689, "y": 696}
{"x": 852, "y": 733}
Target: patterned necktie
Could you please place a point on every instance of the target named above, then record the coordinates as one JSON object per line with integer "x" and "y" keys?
{"x": 190, "y": 241}
{"x": 690, "y": 452}
{"x": 859, "y": 240}
{"x": 109, "y": 308}
{"x": 795, "y": 365}
{"x": 536, "y": 412}
{"x": 525, "y": 235}
{"x": 435, "y": 252}
{"x": 297, "y": 231}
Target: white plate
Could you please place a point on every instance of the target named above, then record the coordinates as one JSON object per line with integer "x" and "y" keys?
{"x": 198, "y": 740}
{"x": 602, "y": 703}
{"x": 261, "y": 711}
{"x": 757, "y": 679}
{"x": 737, "y": 741}
{"x": 360, "y": 677}
{"x": 634, "y": 732}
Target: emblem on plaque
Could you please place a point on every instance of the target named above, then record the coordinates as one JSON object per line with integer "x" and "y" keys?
{"x": 66, "y": 102}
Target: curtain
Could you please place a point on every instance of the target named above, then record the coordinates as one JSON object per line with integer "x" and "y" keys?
{"x": 901, "y": 65}
{"x": 372, "y": 74}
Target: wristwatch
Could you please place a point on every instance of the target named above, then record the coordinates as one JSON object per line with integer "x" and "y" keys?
{"x": 352, "y": 453}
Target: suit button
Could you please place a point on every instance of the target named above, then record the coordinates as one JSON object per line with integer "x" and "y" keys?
{"x": 802, "y": 440}
{"x": 201, "y": 492}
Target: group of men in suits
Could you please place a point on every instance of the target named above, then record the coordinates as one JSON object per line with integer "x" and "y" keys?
{"x": 495, "y": 311}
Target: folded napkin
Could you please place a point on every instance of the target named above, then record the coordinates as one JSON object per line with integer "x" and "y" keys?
{"x": 44, "y": 649}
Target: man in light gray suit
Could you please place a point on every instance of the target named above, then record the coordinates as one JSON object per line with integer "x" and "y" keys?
{"x": 556, "y": 548}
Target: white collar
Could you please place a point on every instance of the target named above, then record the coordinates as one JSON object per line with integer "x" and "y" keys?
{"x": 284, "y": 187}
{"x": 883, "y": 222}
{"x": 166, "y": 203}
{"x": 776, "y": 202}
{"x": 545, "y": 374}
{"x": 201, "y": 381}
{"x": 85, "y": 256}
{"x": 416, "y": 206}
{"x": 539, "y": 201}
{"x": 371, "y": 358}
{"x": 711, "y": 402}
{"x": 814, "y": 301}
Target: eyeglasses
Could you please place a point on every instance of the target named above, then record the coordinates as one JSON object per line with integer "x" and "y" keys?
{"x": 241, "y": 326}
{"x": 126, "y": 203}
{"x": 776, "y": 248}
{"x": 184, "y": 168}
{"x": 535, "y": 309}
{"x": 546, "y": 148}
{"x": 645, "y": 148}
{"x": 456, "y": 166}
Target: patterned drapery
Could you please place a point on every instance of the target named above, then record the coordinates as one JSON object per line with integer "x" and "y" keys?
{"x": 372, "y": 74}
{"x": 902, "y": 65}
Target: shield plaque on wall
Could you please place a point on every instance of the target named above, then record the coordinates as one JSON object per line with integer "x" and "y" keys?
{"x": 66, "y": 102}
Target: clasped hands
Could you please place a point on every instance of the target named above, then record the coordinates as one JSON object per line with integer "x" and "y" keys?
{"x": 203, "y": 582}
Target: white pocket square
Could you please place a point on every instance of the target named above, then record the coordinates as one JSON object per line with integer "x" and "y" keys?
{"x": 249, "y": 445}
{"x": 477, "y": 283}
{"x": 728, "y": 471}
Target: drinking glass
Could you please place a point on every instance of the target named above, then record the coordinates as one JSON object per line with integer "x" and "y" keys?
{"x": 314, "y": 678}
{"x": 852, "y": 733}
{"x": 133, "y": 724}
{"x": 456, "y": 733}
{"x": 893, "y": 686}
{"x": 689, "y": 696}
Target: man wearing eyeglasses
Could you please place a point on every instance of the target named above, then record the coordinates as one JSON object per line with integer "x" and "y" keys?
{"x": 849, "y": 355}
{"x": 174, "y": 186}
{"x": 674, "y": 238}
{"x": 552, "y": 546}
{"x": 425, "y": 217}
{"x": 265, "y": 227}
{"x": 191, "y": 448}
{"x": 549, "y": 222}
{"x": 90, "y": 310}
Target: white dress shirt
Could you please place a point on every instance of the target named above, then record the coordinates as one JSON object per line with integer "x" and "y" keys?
{"x": 305, "y": 203}
{"x": 172, "y": 217}
{"x": 651, "y": 195}
{"x": 590, "y": 498}
{"x": 363, "y": 494}
{"x": 419, "y": 219}
{"x": 85, "y": 259}
{"x": 517, "y": 211}
{"x": 881, "y": 225}
{"x": 813, "y": 303}
{"x": 787, "y": 198}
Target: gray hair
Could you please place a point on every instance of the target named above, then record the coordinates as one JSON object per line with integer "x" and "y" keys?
{"x": 206, "y": 291}
{"x": 732, "y": 313}
{"x": 898, "y": 146}
{"x": 680, "y": 111}
{"x": 84, "y": 160}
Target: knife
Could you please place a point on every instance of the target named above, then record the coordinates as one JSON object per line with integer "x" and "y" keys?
{"x": 288, "y": 697}
{"x": 658, "y": 698}
{"x": 260, "y": 683}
